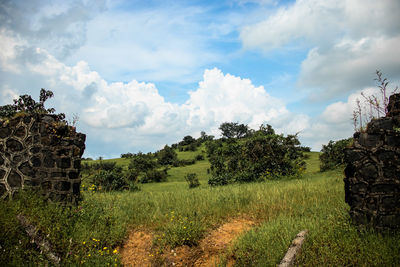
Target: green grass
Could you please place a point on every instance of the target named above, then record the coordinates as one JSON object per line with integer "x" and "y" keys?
{"x": 281, "y": 209}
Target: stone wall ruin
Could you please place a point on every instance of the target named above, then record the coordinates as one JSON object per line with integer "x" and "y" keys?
{"x": 39, "y": 152}
{"x": 372, "y": 182}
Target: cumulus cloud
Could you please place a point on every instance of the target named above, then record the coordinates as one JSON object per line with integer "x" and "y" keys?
{"x": 348, "y": 41}
{"x": 134, "y": 116}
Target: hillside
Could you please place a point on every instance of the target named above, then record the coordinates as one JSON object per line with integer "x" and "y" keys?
{"x": 259, "y": 221}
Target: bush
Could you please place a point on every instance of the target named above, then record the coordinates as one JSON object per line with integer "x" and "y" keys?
{"x": 154, "y": 176}
{"x": 260, "y": 156}
{"x": 25, "y": 104}
{"x": 332, "y": 154}
{"x": 166, "y": 156}
{"x": 192, "y": 180}
{"x": 222, "y": 179}
{"x": 142, "y": 163}
{"x": 199, "y": 157}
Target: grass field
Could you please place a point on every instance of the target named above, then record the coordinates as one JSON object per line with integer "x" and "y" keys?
{"x": 280, "y": 209}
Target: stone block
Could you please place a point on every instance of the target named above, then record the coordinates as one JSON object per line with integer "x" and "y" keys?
{"x": 64, "y": 163}
{"x": 14, "y": 145}
{"x": 2, "y": 174}
{"x": 20, "y": 132}
{"x": 392, "y": 140}
{"x": 62, "y": 186}
{"x": 14, "y": 180}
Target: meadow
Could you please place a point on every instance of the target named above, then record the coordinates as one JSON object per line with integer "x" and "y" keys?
{"x": 95, "y": 232}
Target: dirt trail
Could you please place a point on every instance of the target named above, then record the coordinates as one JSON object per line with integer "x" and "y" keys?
{"x": 137, "y": 250}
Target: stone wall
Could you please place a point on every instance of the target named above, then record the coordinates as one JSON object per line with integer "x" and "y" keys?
{"x": 372, "y": 182}
{"x": 36, "y": 151}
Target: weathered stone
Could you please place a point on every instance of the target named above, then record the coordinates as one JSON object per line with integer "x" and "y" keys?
{"x": 35, "y": 149}
{"x": 33, "y": 155}
{"x": 3, "y": 189}
{"x": 4, "y": 132}
{"x": 46, "y": 185}
{"x": 394, "y": 105}
{"x": 393, "y": 141}
{"x": 73, "y": 175}
{"x": 14, "y": 180}
{"x": 41, "y": 175}
{"x": 36, "y": 162}
{"x": 62, "y": 186}
{"x": 20, "y": 132}
{"x": 26, "y": 169}
{"x": 390, "y": 221}
{"x": 2, "y": 173}
{"x": 14, "y": 145}
{"x": 368, "y": 172}
{"x": 380, "y": 124}
{"x": 352, "y": 155}
{"x": 76, "y": 188}
{"x": 386, "y": 156}
{"x": 77, "y": 164}
{"x": 369, "y": 140}
{"x": 17, "y": 158}
{"x": 58, "y": 174}
{"x": 372, "y": 182}
{"x": 64, "y": 163}
{"x": 63, "y": 152}
{"x": 48, "y": 160}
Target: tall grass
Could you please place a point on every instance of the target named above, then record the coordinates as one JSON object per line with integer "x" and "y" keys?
{"x": 280, "y": 209}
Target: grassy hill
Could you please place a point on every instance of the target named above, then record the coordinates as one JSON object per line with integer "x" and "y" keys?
{"x": 174, "y": 215}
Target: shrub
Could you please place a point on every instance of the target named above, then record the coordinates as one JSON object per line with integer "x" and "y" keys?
{"x": 142, "y": 162}
{"x": 192, "y": 180}
{"x": 154, "y": 176}
{"x": 199, "y": 157}
{"x": 166, "y": 156}
{"x": 222, "y": 179}
{"x": 262, "y": 155}
{"x": 25, "y": 104}
{"x": 332, "y": 154}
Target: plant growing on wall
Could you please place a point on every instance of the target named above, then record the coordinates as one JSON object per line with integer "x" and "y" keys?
{"x": 26, "y": 104}
{"x": 373, "y": 106}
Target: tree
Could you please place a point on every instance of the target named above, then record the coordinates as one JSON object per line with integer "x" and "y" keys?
{"x": 233, "y": 130}
{"x": 167, "y": 156}
{"x": 262, "y": 155}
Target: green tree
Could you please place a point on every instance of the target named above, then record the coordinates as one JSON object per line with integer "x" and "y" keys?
{"x": 233, "y": 130}
{"x": 167, "y": 156}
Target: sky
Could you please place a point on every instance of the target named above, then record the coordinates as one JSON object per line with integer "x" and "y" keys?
{"x": 142, "y": 74}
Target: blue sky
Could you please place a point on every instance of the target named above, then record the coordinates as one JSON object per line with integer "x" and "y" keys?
{"x": 142, "y": 74}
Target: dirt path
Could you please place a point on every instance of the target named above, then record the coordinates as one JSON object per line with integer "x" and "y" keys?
{"x": 137, "y": 250}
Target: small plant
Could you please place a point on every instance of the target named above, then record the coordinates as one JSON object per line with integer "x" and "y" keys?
{"x": 179, "y": 231}
{"x": 374, "y": 106}
{"x": 25, "y": 104}
{"x": 192, "y": 180}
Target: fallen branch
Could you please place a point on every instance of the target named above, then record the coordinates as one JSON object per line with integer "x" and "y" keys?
{"x": 293, "y": 250}
{"x": 41, "y": 242}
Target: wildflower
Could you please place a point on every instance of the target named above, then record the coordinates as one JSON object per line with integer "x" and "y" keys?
{"x": 104, "y": 248}
{"x": 115, "y": 251}
{"x": 84, "y": 242}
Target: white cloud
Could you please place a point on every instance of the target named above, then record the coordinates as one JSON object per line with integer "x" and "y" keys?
{"x": 349, "y": 40}
{"x": 134, "y": 116}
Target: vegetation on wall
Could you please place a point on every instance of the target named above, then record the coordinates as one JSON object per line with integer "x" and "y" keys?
{"x": 27, "y": 105}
